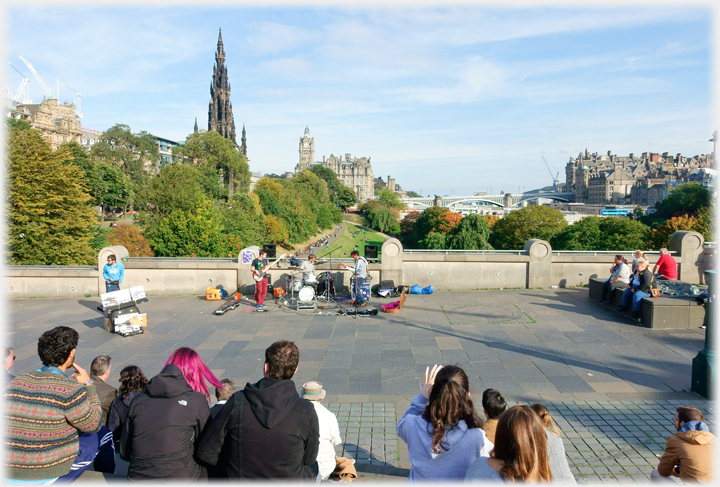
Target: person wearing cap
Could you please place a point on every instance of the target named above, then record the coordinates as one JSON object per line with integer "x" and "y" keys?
{"x": 329, "y": 430}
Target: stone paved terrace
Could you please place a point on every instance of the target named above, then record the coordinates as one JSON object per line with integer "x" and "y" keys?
{"x": 611, "y": 384}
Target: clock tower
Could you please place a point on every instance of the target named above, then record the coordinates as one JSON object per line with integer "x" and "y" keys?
{"x": 307, "y": 151}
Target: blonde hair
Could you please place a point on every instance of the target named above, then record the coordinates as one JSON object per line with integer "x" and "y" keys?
{"x": 521, "y": 444}
{"x": 546, "y": 418}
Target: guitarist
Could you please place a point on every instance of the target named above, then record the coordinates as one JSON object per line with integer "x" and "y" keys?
{"x": 258, "y": 266}
{"x": 360, "y": 270}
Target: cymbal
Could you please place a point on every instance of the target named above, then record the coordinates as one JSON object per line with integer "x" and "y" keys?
{"x": 294, "y": 268}
{"x": 320, "y": 262}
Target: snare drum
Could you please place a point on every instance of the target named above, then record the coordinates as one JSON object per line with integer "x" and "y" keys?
{"x": 307, "y": 293}
{"x": 294, "y": 284}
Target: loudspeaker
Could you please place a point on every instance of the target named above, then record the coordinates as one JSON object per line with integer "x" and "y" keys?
{"x": 371, "y": 251}
{"x": 270, "y": 249}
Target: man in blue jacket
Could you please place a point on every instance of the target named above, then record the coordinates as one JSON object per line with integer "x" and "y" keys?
{"x": 114, "y": 273}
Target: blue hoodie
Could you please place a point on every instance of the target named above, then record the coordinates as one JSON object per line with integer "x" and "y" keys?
{"x": 464, "y": 445}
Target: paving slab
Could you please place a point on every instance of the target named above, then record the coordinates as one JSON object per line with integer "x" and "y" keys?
{"x": 611, "y": 386}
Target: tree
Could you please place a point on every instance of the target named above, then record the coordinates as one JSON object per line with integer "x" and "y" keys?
{"x": 130, "y": 237}
{"x": 705, "y": 223}
{"x": 346, "y": 198}
{"x": 407, "y": 230}
{"x": 684, "y": 199}
{"x": 189, "y": 233}
{"x": 384, "y": 220}
{"x": 413, "y": 194}
{"x": 491, "y": 220}
{"x": 535, "y": 221}
{"x": 622, "y": 234}
{"x": 636, "y": 214}
{"x": 660, "y": 236}
{"x": 50, "y": 218}
{"x": 472, "y": 233}
{"x": 175, "y": 187}
{"x": 334, "y": 186}
{"x": 450, "y": 221}
{"x": 430, "y": 220}
{"x": 136, "y": 154}
{"x": 390, "y": 199}
{"x": 584, "y": 234}
{"x": 275, "y": 230}
{"x": 243, "y": 222}
{"x": 433, "y": 241}
{"x": 270, "y": 204}
{"x": 210, "y": 149}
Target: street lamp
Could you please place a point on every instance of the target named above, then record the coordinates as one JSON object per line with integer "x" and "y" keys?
{"x": 703, "y": 365}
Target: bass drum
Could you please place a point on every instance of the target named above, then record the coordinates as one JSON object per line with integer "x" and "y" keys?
{"x": 306, "y": 294}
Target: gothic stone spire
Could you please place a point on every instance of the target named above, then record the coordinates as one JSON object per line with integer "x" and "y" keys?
{"x": 220, "y": 116}
{"x": 196, "y": 127}
{"x": 243, "y": 145}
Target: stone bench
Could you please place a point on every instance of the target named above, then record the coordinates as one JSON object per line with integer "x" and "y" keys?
{"x": 662, "y": 313}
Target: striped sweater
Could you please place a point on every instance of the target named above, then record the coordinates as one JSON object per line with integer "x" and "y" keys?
{"x": 44, "y": 412}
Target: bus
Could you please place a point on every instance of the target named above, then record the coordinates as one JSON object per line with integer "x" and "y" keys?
{"x": 615, "y": 212}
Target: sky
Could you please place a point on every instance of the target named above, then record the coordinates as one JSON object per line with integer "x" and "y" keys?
{"x": 446, "y": 100}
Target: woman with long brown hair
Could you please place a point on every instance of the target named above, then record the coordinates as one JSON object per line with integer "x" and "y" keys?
{"x": 520, "y": 453}
{"x": 556, "y": 450}
{"x": 441, "y": 428}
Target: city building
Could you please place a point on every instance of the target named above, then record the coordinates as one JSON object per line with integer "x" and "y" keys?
{"x": 165, "y": 147}
{"x": 12, "y": 111}
{"x": 58, "y": 123}
{"x": 354, "y": 172}
{"x": 89, "y": 137}
{"x": 609, "y": 179}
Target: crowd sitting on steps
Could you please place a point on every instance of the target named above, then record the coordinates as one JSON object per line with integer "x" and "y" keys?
{"x": 58, "y": 426}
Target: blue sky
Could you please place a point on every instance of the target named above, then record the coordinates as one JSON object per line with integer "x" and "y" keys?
{"x": 460, "y": 99}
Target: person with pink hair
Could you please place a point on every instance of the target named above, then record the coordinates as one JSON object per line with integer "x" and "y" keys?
{"x": 166, "y": 419}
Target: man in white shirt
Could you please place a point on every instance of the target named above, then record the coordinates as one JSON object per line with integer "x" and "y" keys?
{"x": 329, "y": 430}
{"x": 308, "y": 269}
{"x": 360, "y": 270}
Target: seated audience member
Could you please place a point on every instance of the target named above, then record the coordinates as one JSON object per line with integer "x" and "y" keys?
{"x": 249, "y": 438}
{"x": 99, "y": 373}
{"x": 328, "y": 428}
{"x": 665, "y": 267}
{"x": 165, "y": 420}
{"x": 441, "y": 427}
{"x": 222, "y": 394}
{"x": 556, "y": 450}
{"x": 520, "y": 453}
{"x": 619, "y": 278}
{"x": 132, "y": 382}
{"x": 493, "y": 406}
{"x": 640, "y": 288}
{"x": 53, "y": 424}
{"x": 9, "y": 360}
{"x": 689, "y": 453}
{"x": 639, "y": 255}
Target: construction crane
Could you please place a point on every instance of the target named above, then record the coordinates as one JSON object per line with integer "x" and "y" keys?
{"x": 37, "y": 77}
{"x": 22, "y": 94}
{"x": 555, "y": 179}
{"x": 76, "y": 100}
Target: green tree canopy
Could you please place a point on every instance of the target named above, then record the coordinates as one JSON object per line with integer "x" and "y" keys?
{"x": 243, "y": 222}
{"x": 188, "y": 233}
{"x": 384, "y": 220}
{"x": 472, "y": 233}
{"x": 136, "y": 154}
{"x": 210, "y": 149}
{"x": 598, "y": 233}
{"x": 334, "y": 186}
{"x": 270, "y": 204}
{"x": 390, "y": 200}
{"x": 584, "y": 234}
{"x": 347, "y": 197}
{"x": 50, "y": 217}
{"x": 535, "y": 221}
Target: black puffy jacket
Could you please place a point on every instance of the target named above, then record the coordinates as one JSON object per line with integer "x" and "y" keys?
{"x": 162, "y": 427}
{"x": 266, "y": 431}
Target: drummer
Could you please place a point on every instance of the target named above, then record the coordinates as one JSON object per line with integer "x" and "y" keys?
{"x": 308, "y": 269}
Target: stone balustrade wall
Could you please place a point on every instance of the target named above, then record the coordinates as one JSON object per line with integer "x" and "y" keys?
{"x": 536, "y": 266}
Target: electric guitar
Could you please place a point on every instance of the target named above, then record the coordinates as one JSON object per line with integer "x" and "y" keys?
{"x": 260, "y": 275}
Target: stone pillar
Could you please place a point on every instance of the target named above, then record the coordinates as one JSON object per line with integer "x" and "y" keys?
{"x": 438, "y": 201}
{"x": 539, "y": 270}
{"x": 245, "y": 282}
{"x": 508, "y": 200}
{"x": 689, "y": 245}
{"x": 120, "y": 253}
{"x": 391, "y": 266}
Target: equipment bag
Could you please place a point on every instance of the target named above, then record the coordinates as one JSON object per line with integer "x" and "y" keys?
{"x": 428, "y": 290}
{"x": 401, "y": 288}
{"x": 213, "y": 294}
{"x": 386, "y": 285}
{"x": 415, "y": 289}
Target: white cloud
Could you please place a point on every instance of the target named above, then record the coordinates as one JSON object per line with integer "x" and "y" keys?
{"x": 271, "y": 37}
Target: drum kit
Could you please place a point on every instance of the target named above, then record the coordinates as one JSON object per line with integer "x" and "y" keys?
{"x": 305, "y": 292}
